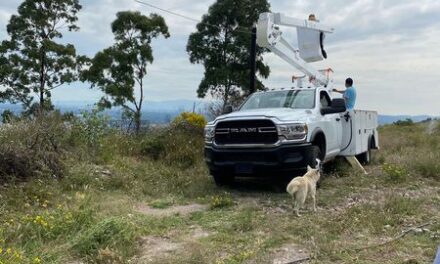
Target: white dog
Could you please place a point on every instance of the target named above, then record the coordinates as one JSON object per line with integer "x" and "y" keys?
{"x": 302, "y": 187}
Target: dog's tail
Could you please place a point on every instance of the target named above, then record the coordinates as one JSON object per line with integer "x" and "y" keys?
{"x": 292, "y": 188}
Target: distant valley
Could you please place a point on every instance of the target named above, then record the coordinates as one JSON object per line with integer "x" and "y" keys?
{"x": 159, "y": 112}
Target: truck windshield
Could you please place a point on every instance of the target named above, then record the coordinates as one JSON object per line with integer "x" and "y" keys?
{"x": 297, "y": 99}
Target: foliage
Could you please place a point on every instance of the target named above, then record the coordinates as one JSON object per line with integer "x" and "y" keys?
{"x": 153, "y": 146}
{"x": 120, "y": 69}
{"x": 36, "y": 62}
{"x": 90, "y": 128}
{"x": 8, "y": 116}
{"x": 406, "y": 122}
{"x": 428, "y": 166}
{"x": 181, "y": 144}
{"x": 222, "y": 44}
{"x": 90, "y": 214}
{"x": 221, "y": 201}
{"x": 104, "y": 234}
{"x": 32, "y": 148}
{"x": 191, "y": 119}
{"x": 395, "y": 172}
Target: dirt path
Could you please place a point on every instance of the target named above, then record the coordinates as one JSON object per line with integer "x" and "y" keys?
{"x": 169, "y": 211}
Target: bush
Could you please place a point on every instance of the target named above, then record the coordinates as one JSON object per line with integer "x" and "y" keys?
{"x": 153, "y": 146}
{"x": 221, "y": 201}
{"x": 89, "y": 129}
{"x": 406, "y": 122}
{"x": 32, "y": 148}
{"x": 395, "y": 172}
{"x": 427, "y": 167}
{"x": 179, "y": 144}
{"x": 191, "y": 119}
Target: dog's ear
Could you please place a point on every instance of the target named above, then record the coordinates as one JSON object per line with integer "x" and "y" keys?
{"x": 309, "y": 168}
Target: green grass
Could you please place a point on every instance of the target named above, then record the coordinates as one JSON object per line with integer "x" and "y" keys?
{"x": 90, "y": 213}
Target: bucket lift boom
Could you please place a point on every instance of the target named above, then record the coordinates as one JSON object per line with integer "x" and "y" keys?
{"x": 310, "y": 39}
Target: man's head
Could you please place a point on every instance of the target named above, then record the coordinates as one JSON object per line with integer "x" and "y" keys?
{"x": 348, "y": 82}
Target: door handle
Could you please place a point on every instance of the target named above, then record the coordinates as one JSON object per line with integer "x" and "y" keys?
{"x": 338, "y": 119}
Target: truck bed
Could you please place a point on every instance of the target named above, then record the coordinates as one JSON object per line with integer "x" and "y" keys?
{"x": 359, "y": 133}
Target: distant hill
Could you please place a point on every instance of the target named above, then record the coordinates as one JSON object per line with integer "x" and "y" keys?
{"x": 164, "y": 111}
{"x": 389, "y": 119}
{"x": 153, "y": 111}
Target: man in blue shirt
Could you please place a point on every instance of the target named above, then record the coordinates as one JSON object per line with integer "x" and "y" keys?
{"x": 349, "y": 94}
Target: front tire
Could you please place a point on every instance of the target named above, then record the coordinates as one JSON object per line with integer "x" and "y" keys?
{"x": 316, "y": 154}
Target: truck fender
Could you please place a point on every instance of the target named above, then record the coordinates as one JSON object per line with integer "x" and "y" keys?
{"x": 373, "y": 141}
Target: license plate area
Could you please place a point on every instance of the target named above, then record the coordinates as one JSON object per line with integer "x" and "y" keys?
{"x": 244, "y": 168}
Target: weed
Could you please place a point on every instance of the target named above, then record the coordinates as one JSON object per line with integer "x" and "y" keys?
{"x": 395, "y": 172}
{"x": 221, "y": 201}
{"x": 108, "y": 233}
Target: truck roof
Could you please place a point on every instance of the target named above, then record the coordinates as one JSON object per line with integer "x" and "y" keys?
{"x": 292, "y": 88}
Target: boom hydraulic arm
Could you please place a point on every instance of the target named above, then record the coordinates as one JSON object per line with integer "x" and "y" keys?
{"x": 310, "y": 39}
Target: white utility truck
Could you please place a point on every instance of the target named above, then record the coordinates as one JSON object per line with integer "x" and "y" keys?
{"x": 284, "y": 130}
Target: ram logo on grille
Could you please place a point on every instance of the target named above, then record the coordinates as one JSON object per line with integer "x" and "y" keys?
{"x": 244, "y": 130}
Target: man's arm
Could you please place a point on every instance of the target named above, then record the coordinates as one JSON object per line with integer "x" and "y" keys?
{"x": 338, "y": 91}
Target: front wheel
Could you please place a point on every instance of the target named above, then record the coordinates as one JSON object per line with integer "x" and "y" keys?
{"x": 316, "y": 154}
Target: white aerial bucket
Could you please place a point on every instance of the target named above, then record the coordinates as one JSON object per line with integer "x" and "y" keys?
{"x": 309, "y": 44}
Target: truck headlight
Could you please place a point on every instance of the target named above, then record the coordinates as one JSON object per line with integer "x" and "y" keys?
{"x": 209, "y": 133}
{"x": 295, "y": 132}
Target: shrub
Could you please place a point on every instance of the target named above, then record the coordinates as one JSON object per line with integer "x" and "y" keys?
{"x": 221, "y": 201}
{"x": 90, "y": 128}
{"x": 427, "y": 167}
{"x": 153, "y": 146}
{"x": 179, "y": 144}
{"x": 395, "y": 172}
{"x": 191, "y": 119}
{"x": 406, "y": 122}
{"x": 31, "y": 148}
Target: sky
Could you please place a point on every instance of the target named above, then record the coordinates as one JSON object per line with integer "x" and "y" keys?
{"x": 391, "y": 48}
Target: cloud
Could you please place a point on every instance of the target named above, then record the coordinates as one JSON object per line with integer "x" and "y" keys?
{"x": 390, "y": 48}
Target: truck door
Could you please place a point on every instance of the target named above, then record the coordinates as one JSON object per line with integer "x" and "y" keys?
{"x": 332, "y": 125}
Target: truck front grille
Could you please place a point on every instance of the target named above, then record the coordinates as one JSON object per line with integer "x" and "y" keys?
{"x": 246, "y": 132}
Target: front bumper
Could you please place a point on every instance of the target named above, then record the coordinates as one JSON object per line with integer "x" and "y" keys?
{"x": 255, "y": 161}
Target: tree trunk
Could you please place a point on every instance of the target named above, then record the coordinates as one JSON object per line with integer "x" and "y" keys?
{"x": 42, "y": 81}
{"x": 137, "y": 121}
{"x": 226, "y": 96}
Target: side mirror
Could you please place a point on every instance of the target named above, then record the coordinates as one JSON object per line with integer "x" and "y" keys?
{"x": 337, "y": 106}
{"x": 228, "y": 109}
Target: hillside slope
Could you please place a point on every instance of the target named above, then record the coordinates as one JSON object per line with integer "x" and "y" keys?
{"x": 149, "y": 199}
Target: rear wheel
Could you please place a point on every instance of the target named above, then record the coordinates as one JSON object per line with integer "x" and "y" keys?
{"x": 365, "y": 158}
{"x": 222, "y": 178}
